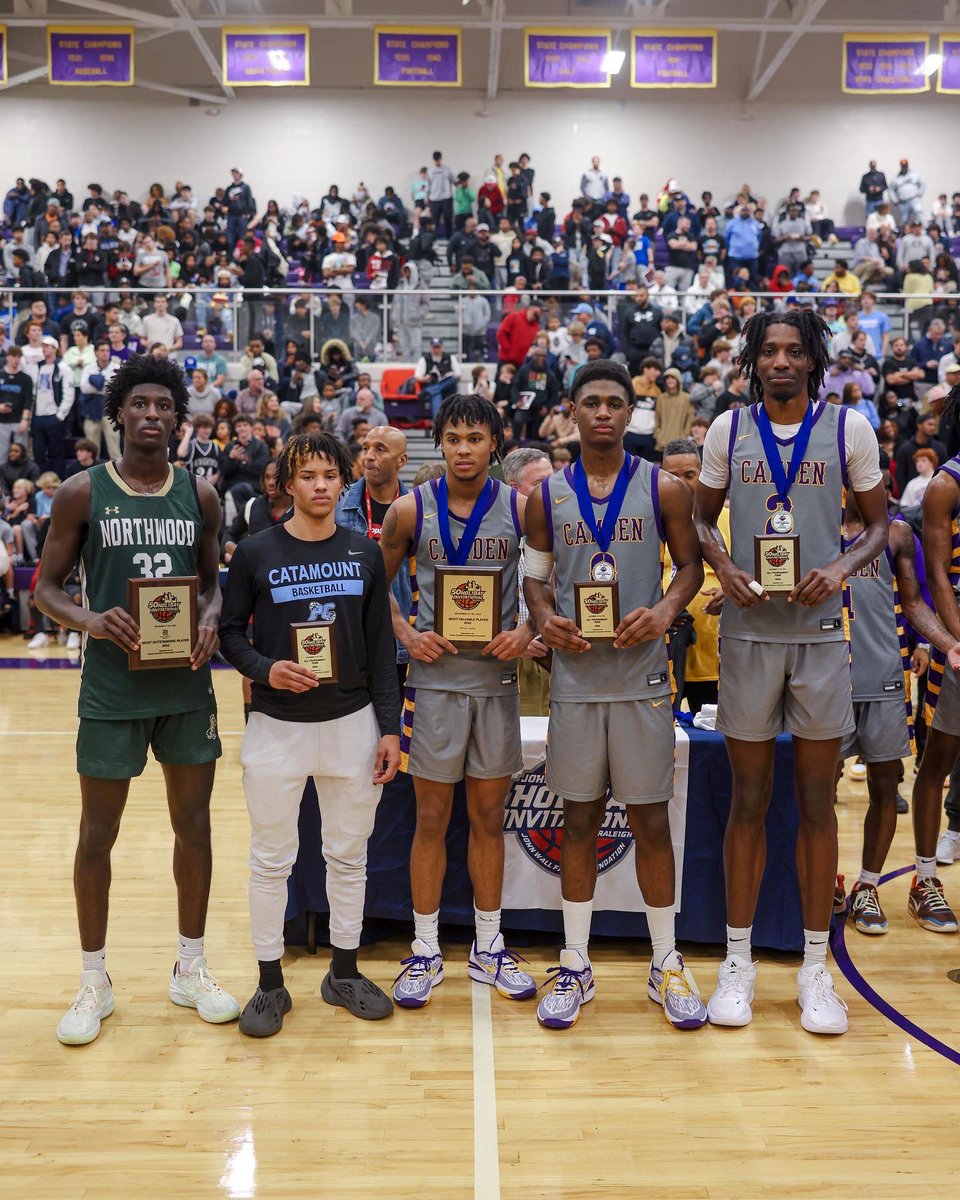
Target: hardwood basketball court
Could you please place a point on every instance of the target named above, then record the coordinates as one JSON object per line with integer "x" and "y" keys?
{"x": 468, "y": 1098}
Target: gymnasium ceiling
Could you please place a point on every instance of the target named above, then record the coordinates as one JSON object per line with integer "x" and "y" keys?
{"x": 178, "y": 43}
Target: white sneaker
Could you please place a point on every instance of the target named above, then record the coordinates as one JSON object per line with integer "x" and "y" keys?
{"x": 822, "y": 1010}
{"x": 948, "y": 847}
{"x": 198, "y": 989}
{"x": 80, "y": 1024}
{"x": 73, "y": 640}
{"x": 39, "y": 641}
{"x": 730, "y": 1003}
{"x": 857, "y": 771}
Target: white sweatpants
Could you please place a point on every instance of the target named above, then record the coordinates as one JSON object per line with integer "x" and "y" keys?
{"x": 277, "y": 759}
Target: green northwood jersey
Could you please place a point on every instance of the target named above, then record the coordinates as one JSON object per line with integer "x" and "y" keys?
{"x": 129, "y": 536}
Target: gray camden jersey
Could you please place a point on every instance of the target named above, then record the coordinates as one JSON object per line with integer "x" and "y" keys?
{"x": 603, "y": 673}
{"x": 816, "y": 501}
{"x": 878, "y": 640}
{"x": 497, "y": 544}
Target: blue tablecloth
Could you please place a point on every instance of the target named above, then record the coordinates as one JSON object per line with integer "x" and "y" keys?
{"x": 702, "y": 918}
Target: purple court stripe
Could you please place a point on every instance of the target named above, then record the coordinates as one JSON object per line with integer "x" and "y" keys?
{"x": 841, "y": 957}
{"x": 65, "y": 664}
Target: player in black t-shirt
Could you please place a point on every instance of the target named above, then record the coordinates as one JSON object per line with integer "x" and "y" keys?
{"x": 343, "y": 733}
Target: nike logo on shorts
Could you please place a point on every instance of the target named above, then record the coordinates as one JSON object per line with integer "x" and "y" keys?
{"x": 657, "y": 703}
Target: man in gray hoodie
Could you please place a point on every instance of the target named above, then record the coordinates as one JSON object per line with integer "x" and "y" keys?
{"x": 409, "y": 309}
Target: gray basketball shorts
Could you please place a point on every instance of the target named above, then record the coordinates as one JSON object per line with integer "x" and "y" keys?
{"x": 768, "y": 688}
{"x": 626, "y": 745}
{"x": 882, "y": 733}
{"x": 943, "y": 697}
{"x": 446, "y": 736}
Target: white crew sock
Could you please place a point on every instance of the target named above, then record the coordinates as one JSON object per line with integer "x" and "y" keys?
{"x": 488, "y": 927}
{"x": 427, "y": 930}
{"x": 663, "y": 937}
{"x": 94, "y": 960}
{"x": 577, "y": 915}
{"x": 869, "y": 876}
{"x": 190, "y": 950}
{"x": 814, "y": 948}
{"x": 738, "y": 943}
{"x": 926, "y": 867}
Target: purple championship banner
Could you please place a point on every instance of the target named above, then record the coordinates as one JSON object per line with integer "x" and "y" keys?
{"x": 566, "y": 58}
{"x": 878, "y": 64}
{"x": 3, "y": 55}
{"x": 92, "y": 56}
{"x": 947, "y": 81}
{"x": 669, "y": 58}
{"x": 405, "y": 57}
{"x": 266, "y": 58}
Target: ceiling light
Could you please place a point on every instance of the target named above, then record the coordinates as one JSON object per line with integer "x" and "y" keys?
{"x": 932, "y": 64}
{"x": 613, "y": 62}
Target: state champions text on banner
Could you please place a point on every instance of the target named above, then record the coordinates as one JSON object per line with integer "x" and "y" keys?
{"x": 90, "y": 56}
{"x": 566, "y": 58}
{"x": 673, "y": 58}
{"x": 404, "y": 57}
{"x": 253, "y": 57}
{"x": 884, "y": 64}
{"x": 948, "y": 79}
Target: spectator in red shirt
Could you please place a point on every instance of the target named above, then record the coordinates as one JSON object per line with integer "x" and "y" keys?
{"x": 490, "y": 199}
{"x": 516, "y": 334}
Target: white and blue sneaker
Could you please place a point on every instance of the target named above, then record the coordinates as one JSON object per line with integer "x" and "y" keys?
{"x": 421, "y": 973}
{"x": 499, "y": 966}
{"x": 572, "y": 986}
{"x": 197, "y": 988}
{"x": 675, "y": 990}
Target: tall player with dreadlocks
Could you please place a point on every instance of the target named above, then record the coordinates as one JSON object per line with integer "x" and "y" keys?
{"x": 343, "y": 732}
{"x": 941, "y": 552}
{"x": 461, "y": 706}
{"x": 139, "y": 517}
{"x": 785, "y": 463}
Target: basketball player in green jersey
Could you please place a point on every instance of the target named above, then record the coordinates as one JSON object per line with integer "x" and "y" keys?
{"x": 139, "y": 517}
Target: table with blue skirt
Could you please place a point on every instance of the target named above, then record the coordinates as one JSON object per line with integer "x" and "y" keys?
{"x": 532, "y": 836}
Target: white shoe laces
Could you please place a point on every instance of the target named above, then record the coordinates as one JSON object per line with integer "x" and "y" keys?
{"x": 822, "y": 993}
{"x": 933, "y": 896}
{"x": 86, "y": 1000}
{"x": 206, "y": 982}
{"x": 733, "y": 979}
{"x": 867, "y": 901}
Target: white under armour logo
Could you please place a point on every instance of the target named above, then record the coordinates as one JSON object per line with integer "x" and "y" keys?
{"x": 108, "y": 510}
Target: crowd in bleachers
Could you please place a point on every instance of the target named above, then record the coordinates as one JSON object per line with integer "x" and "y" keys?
{"x": 287, "y": 316}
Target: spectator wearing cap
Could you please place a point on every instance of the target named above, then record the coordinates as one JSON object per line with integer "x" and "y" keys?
{"x": 594, "y": 186}
{"x": 948, "y": 372}
{"x": 437, "y": 373}
{"x": 440, "y": 185}
{"x": 907, "y": 190}
{"x": 842, "y": 372}
{"x": 516, "y": 334}
{"x": 53, "y": 399}
{"x": 489, "y": 200}
{"x": 464, "y": 198}
{"x": 484, "y": 252}
{"x": 339, "y": 265}
{"x": 598, "y": 259}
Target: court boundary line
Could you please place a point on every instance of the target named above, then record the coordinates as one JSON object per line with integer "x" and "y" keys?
{"x": 486, "y": 1142}
{"x": 841, "y": 956}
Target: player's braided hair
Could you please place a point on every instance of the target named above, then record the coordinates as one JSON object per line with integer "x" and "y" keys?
{"x": 814, "y": 337}
{"x": 950, "y": 417}
{"x": 312, "y": 445}
{"x": 471, "y": 410}
{"x": 142, "y": 368}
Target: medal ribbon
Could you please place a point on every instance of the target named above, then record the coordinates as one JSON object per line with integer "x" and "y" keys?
{"x": 783, "y": 480}
{"x": 457, "y": 555}
{"x": 602, "y": 531}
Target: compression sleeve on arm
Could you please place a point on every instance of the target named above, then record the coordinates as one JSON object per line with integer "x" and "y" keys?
{"x": 538, "y": 564}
